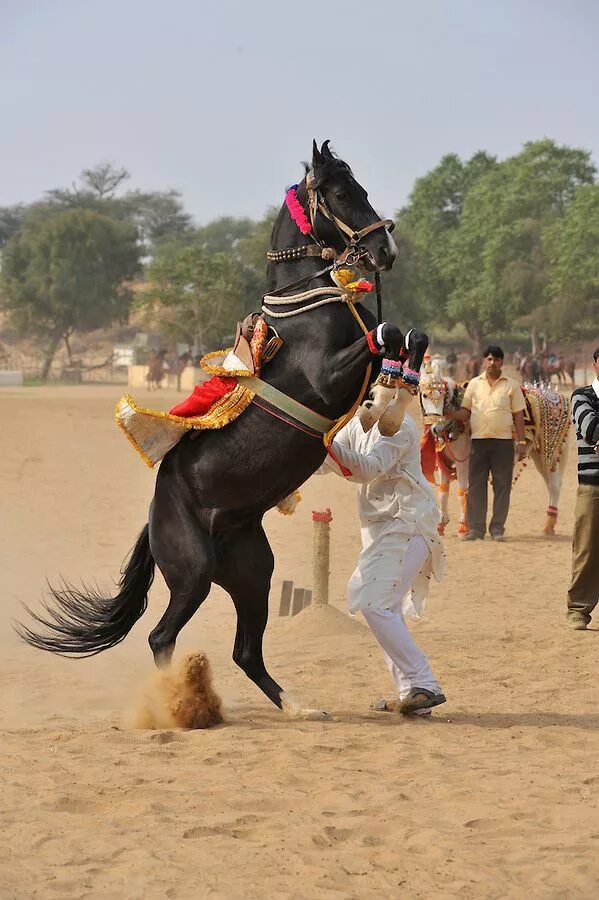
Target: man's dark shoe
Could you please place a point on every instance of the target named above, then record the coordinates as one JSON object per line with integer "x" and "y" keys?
{"x": 578, "y": 621}
{"x": 418, "y": 699}
{"x": 473, "y": 536}
{"x": 497, "y": 537}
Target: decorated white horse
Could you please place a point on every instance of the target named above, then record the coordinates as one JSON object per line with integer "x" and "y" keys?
{"x": 446, "y": 443}
{"x": 445, "y": 449}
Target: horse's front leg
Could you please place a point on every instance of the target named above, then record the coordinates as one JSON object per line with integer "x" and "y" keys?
{"x": 553, "y": 481}
{"x": 334, "y": 376}
{"x": 462, "y": 451}
{"x": 443, "y": 491}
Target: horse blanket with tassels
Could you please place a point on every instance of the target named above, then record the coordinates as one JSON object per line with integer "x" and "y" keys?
{"x": 546, "y": 422}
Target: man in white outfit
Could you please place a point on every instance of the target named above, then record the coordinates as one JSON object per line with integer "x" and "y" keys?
{"x": 401, "y": 549}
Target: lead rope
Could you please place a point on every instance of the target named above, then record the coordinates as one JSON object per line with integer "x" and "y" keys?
{"x": 343, "y": 420}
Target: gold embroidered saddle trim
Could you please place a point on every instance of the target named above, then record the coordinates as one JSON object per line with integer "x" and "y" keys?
{"x": 153, "y": 433}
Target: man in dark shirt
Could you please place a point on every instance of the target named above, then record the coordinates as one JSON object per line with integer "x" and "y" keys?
{"x": 583, "y": 595}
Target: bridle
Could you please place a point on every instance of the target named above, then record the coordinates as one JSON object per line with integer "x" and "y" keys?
{"x": 352, "y": 255}
{"x": 317, "y": 203}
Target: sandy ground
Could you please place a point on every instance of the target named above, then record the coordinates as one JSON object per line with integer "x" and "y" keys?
{"x": 495, "y": 797}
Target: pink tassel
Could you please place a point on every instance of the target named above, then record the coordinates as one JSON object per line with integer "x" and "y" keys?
{"x": 296, "y": 211}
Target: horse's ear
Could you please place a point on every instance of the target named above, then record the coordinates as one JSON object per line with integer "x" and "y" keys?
{"x": 326, "y": 153}
{"x": 316, "y": 155}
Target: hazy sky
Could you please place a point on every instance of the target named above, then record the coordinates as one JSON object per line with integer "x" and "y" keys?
{"x": 221, "y": 100}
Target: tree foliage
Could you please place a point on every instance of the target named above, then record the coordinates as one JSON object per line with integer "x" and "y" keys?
{"x": 67, "y": 272}
{"x": 195, "y": 296}
{"x": 480, "y": 230}
{"x": 573, "y": 248}
{"x": 159, "y": 216}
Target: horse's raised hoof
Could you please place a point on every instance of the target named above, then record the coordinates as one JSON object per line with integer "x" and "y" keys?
{"x": 162, "y": 659}
{"x": 294, "y": 710}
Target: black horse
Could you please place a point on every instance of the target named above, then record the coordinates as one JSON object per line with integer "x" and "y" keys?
{"x": 213, "y": 487}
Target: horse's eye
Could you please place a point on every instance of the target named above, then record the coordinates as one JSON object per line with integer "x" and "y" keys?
{"x": 341, "y": 196}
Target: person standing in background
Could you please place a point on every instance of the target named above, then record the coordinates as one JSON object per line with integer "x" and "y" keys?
{"x": 583, "y": 594}
{"x": 494, "y": 405}
{"x": 452, "y": 362}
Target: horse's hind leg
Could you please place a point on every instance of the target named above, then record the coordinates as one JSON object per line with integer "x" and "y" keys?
{"x": 184, "y": 553}
{"x": 244, "y": 565}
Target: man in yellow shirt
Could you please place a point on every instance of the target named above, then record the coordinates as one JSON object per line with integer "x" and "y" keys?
{"x": 494, "y": 405}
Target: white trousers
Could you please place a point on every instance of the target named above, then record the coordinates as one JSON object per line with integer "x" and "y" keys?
{"x": 406, "y": 662}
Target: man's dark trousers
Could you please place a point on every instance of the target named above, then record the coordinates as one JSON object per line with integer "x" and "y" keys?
{"x": 494, "y": 456}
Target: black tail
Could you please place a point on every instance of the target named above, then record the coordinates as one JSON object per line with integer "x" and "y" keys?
{"x": 85, "y": 622}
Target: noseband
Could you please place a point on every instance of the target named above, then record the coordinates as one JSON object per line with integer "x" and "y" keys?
{"x": 350, "y": 237}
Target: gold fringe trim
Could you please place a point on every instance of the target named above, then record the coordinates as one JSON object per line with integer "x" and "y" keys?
{"x": 207, "y": 366}
{"x": 129, "y": 436}
{"x": 224, "y": 411}
{"x": 288, "y": 504}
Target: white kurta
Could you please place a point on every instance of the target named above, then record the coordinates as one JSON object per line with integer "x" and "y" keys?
{"x": 395, "y": 503}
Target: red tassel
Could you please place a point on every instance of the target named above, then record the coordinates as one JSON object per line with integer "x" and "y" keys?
{"x": 428, "y": 456}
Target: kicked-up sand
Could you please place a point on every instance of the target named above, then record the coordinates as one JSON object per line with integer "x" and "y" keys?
{"x": 496, "y": 796}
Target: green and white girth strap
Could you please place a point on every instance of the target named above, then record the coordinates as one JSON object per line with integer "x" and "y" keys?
{"x": 314, "y": 422}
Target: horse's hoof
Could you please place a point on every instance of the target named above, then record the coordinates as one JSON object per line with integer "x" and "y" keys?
{"x": 295, "y": 710}
{"x": 315, "y": 715}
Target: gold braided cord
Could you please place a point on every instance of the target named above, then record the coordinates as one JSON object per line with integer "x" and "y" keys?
{"x": 212, "y": 369}
{"x": 357, "y": 317}
{"x": 343, "y": 420}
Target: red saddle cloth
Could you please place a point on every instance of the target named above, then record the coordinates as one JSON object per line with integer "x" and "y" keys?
{"x": 204, "y": 396}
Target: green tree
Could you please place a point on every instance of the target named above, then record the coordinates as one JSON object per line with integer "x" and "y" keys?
{"x": 573, "y": 248}
{"x": 224, "y": 234}
{"x": 194, "y": 296}
{"x": 158, "y": 215}
{"x": 65, "y": 272}
{"x": 11, "y": 219}
{"x": 427, "y": 228}
{"x": 404, "y": 301}
{"x": 497, "y": 259}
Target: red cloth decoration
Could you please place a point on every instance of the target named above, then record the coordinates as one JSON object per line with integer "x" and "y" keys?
{"x": 372, "y": 344}
{"x": 204, "y": 396}
{"x": 428, "y": 456}
{"x": 347, "y": 473}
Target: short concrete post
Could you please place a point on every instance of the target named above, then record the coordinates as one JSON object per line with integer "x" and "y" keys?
{"x": 298, "y": 601}
{"x": 320, "y": 556}
{"x": 286, "y": 592}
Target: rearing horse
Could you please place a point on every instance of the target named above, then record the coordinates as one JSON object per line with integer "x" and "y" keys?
{"x": 213, "y": 487}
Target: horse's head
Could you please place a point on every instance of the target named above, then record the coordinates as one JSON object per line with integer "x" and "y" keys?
{"x": 433, "y": 391}
{"x": 342, "y": 215}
